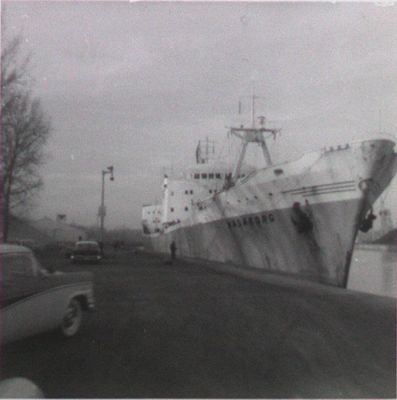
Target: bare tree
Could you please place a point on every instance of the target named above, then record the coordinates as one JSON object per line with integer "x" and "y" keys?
{"x": 24, "y": 131}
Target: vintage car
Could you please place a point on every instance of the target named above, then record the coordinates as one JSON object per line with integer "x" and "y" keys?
{"x": 35, "y": 300}
{"x": 86, "y": 251}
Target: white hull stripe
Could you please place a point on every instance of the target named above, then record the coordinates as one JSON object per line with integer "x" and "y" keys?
{"x": 317, "y": 192}
{"x": 326, "y": 188}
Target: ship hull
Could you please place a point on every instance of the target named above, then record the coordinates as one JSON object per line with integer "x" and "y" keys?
{"x": 303, "y": 222}
{"x": 321, "y": 254}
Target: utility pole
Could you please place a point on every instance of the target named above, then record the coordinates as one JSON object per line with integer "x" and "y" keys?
{"x": 102, "y": 209}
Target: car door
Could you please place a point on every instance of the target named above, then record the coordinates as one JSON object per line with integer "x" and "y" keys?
{"x": 23, "y": 314}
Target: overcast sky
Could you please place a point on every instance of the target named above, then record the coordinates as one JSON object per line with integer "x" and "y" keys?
{"x": 136, "y": 85}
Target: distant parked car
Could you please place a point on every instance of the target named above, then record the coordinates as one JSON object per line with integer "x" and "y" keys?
{"x": 35, "y": 300}
{"x": 86, "y": 251}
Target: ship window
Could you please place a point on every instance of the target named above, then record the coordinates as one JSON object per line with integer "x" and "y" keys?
{"x": 229, "y": 224}
{"x": 244, "y": 221}
{"x": 257, "y": 220}
{"x": 238, "y": 222}
{"x": 186, "y": 192}
{"x": 204, "y": 176}
{"x": 218, "y": 176}
{"x": 165, "y": 185}
{"x": 233, "y": 223}
{"x": 196, "y": 176}
{"x": 210, "y": 176}
{"x": 186, "y": 208}
{"x": 172, "y": 209}
{"x": 264, "y": 218}
{"x": 191, "y": 192}
{"x": 271, "y": 217}
{"x": 172, "y": 193}
{"x": 210, "y": 191}
{"x": 251, "y": 221}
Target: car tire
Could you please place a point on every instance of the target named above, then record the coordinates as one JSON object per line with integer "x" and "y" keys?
{"x": 72, "y": 319}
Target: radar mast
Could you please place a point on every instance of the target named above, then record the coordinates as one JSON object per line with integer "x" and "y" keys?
{"x": 252, "y": 135}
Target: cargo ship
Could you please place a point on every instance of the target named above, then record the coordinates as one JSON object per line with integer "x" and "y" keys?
{"x": 298, "y": 218}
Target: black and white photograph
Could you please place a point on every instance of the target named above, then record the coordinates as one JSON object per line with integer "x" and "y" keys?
{"x": 198, "y": 199}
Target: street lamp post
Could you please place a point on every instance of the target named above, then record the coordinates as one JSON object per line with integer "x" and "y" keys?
{"x": 102, "y": 209}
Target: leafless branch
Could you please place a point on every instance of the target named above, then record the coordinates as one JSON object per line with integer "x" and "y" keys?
{"x": 25, "y": 130}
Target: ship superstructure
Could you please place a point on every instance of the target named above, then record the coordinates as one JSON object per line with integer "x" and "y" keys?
{"x": 298, "y": 218}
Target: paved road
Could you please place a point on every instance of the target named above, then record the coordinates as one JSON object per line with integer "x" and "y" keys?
{"x": 183, "y": 331}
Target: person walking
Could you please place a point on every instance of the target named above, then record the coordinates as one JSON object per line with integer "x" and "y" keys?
{"x": 173, "y": 251}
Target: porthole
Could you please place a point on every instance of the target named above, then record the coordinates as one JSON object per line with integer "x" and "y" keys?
{"x": 278, "y": 171}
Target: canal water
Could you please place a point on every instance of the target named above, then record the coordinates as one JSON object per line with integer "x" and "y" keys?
{"x": 373, "y": 270}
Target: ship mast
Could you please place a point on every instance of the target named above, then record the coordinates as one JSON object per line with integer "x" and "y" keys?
{"x": 252, "y": 135}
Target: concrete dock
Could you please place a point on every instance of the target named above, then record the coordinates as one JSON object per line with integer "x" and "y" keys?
{"x": 194, "y": 330}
